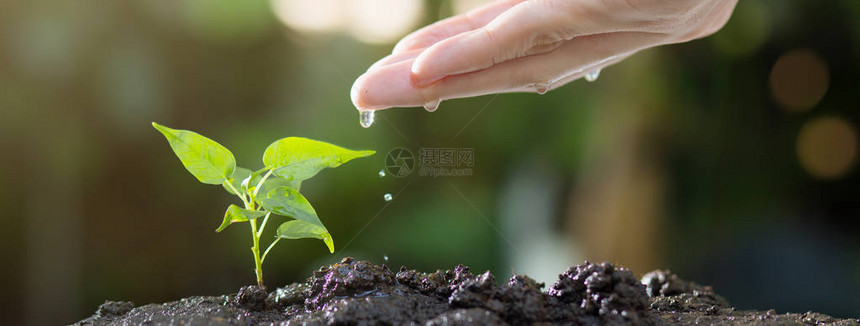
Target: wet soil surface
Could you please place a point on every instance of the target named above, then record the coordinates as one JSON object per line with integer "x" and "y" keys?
{"x": 360, "y": 293}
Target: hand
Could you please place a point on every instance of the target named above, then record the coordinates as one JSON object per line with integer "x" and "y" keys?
{"x": 528, "y": 46}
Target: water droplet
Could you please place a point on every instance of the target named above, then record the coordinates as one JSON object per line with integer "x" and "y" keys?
{"x": 365, "y": 117}
{"x": 382, "y": 173}
{"x": 542, "y": 88}
{"x": 592, "y": 76}
{"x": 432, "y": 105}
{"x": 385, "y": 257}
{"x": 387, "y": 197}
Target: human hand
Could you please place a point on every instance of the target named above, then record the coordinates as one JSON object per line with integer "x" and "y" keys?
{"x": 527, "y": 46}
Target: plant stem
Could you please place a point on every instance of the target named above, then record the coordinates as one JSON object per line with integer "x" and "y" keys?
{"x": 242, "y": 197}
{"x": 263, "y": 225}
{"x": 258, "y": 262}
{"x": 269, "y": 248}
{"x": 255, "y": 236}
{"x": 260, "y": 184}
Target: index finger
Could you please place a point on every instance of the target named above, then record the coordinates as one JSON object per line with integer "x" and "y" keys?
{"x": 475, "y": 18}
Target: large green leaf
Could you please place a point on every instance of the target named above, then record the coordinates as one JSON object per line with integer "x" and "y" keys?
{"x": 297, "y": 159}
{"x": 236, "y": 180}
{"x": 238, "y": 214}
{"x": 287, "y": 201}
{"x": 298, "y": 229}
{"x": 207, "y": 160}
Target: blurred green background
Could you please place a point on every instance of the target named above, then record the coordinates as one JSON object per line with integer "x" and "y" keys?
{"x": 730, "y": 160}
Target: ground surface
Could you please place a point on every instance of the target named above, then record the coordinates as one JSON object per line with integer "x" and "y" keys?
{"x": 359, "y": 293}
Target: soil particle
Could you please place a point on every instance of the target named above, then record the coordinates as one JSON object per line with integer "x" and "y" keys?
{"x": 251, "y": 298}
{"x": 189, "y": 311}
{"x": 349, "y": 278}
{"x": 612, "y": 293}
{"x": 671, "y": 293}
{"x": 678, "y": 302}
{"x": 290, "y": 295}
{"x": 464, "y": 317}
{"x": 519, "y": 301}
{"x": 355, "y": 292}
{"x": 114, "y": 308}
{"x": 440, "y": 283}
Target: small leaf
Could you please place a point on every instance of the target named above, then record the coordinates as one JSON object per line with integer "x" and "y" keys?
{"x": 298, "y": 229}
{"x": 252, "y": 179}
{"x": 238, "y": 214}
{"x": 246, "y": 183}
{"x": 287, "y": 201}
{"x": 298, "y": 159}
{"x": 207, "y": 160}
{"x": 236, "y": 180}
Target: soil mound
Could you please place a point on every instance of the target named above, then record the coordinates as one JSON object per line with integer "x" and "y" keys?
{"x": 355, "y": 292}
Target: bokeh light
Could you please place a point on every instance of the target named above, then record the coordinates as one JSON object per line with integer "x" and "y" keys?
{"x": 383, "y": 21}
{"x": 310, "y": 16}
{"x": 44, "y": 46}
{"x": 228, "y": 20}
{"x": 827, "y": 147}
{"x": 746, "y": 31}
{"x": 798, "y": 80}
{"x": 463, "y": 6}
{"x": 369, "y": 21}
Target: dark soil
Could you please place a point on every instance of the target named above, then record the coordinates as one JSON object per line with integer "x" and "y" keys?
{"x": 360, "y": 293}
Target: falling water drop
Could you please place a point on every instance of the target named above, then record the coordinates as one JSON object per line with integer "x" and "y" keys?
{"x": 542, "y": 88}
{"x": 365, "y": 117}
{"x": 592, "y": 76}
{"x": 432, "y": 105}
{"x": 387, "y": 197}
{"x": 385, "y": 257}
{"x": 382, "y": 173}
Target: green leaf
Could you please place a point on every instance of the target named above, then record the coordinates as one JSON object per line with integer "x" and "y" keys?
{"x": 298, "y": 159}
{"x": 272, "y": 182}
{"x": 298, "y": 229}
{"x": 236, "y": 180}
{"x": 287, "y": 201}
{"x": 207, "y": 160}
{"x": 238, "y": 214}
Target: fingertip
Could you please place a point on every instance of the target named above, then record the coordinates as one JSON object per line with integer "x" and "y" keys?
{"x": 356, "y": 93}
{"x": 366, "y": 93}
{"x": 395, "y": 58}
{"x": 451, "y": 26}
{"x": 422, "y": 73}
{"x": 406, "y": 44}
{"x": 413, "y": 41}
{"x": 422, "y": 82}
{"x": 455, "y": 55}
{"x": 385, "y": 87}
{"x": 424, "y": 37}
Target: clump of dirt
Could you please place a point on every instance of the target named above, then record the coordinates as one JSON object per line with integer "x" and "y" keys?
{"x": 604, "y": 290}
{"x": 360, "y": 293}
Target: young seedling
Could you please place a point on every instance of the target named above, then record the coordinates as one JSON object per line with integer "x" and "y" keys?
{"x": 272, "y": 190}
